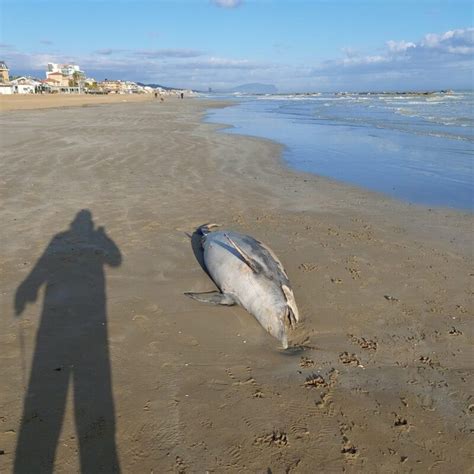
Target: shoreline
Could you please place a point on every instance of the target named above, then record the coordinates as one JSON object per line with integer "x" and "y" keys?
{"x": 377, "y": 198}
{"x": 396, "y": 162}
{"x": 206, "y": 387}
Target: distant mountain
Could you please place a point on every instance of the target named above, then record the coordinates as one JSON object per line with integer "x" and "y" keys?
{"x": 255, "y": 88}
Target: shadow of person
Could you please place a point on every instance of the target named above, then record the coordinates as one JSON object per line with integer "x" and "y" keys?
{"x": 71, "y": 348}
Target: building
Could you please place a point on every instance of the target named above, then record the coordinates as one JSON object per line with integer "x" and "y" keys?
{"x": 57, "y": 78}
{"x": 68, "y": 77}
{"x": 64, "y": 69}
{"x": 122, "y": 87}
{"x": 5, "y": 89}
{"x": 4, "y": 76}
{"x": 109, "y": 86}
{"x": 24, "y": 85}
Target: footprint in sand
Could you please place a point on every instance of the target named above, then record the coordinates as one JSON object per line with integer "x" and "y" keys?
{"x": 348, "y": 448}
{"x": 306, "y": 362}
{"x": 275, "y": 438}
{"x": 140, "y": 318}
{"x": 154, "y": 348}
{"x": 355, "y": 272}
{"x": 308, "y": 267}
{"x": 349, "y": 359}
{"x": 315, "y": 381}
{"x": 364, "y": 343}
{"x": 153, "y": 308}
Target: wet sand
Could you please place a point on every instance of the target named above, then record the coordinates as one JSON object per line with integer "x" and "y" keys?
{"x": 383, "y": 382}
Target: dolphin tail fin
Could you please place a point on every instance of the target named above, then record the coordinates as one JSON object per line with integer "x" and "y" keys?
{"x": 213, "y": 297}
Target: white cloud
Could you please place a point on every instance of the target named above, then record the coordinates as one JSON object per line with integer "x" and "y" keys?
{"x": 357, "y": 60}
{"x": 227, "y": 3}
{"x": 436, "y": 61}
{"x": 459, "y": 41}
{"x": 399, "y": 46}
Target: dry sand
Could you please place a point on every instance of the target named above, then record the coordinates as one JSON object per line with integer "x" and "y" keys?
{"x": 381, "y": 384}
{"x": 47, "y": 101}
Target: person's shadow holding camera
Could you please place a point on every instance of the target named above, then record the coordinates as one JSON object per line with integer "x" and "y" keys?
{"x": 71, "y": 348}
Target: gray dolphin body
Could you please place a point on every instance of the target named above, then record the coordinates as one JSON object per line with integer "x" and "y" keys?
{"x": 248, "y": 273}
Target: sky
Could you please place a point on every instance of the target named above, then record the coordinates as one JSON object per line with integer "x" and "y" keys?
{"x": 296, "y": 45}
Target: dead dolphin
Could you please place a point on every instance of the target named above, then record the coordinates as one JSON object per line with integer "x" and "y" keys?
{"x": 248, "y": 273}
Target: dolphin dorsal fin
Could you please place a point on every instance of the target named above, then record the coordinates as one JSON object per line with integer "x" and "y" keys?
{"x": 252, "y": 264}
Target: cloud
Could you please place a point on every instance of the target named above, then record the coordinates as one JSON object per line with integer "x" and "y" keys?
{"x": 227, "y": 3}
{"x": 399, "y": 46}
{"x": 108, "y": 51}
{"x": 453, "y": 42}
{"x": 435, "y": 61}
{"x": 46, "y": 42}
{"x": 26, "y": 62}
{"x": 452, "y": 46}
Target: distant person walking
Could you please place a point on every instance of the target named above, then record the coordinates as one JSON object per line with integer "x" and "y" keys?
{"x": 71, "y": 351}
{"x": 182, "y": 95}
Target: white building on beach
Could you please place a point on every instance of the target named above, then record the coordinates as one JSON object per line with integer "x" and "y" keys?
{"x": 6, "y": 89}
{"x": 64, "y": 69}
{"x": 24, "y": 85}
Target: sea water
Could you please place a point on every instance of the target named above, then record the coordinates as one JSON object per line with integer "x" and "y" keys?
{"x": 417, "y": 148}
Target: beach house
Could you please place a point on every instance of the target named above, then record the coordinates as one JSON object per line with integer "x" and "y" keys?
{"x": 24, "y": 85}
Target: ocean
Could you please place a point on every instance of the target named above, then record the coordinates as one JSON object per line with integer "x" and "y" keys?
{"x": 417, "y": 148}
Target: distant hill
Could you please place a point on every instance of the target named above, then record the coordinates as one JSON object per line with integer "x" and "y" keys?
{"x": 255, "y": 88}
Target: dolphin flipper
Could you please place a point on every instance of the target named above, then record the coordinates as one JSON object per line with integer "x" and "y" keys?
{"x": 252, "y": 263}
{"x": 213, "y": 297}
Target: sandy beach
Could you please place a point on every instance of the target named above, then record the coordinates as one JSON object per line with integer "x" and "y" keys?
{"x": 46, "y": 101}
{"x": 134, "y": 376}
